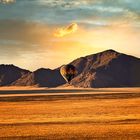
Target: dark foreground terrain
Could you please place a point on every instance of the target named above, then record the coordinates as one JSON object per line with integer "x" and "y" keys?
{"x": 70, "y": 114}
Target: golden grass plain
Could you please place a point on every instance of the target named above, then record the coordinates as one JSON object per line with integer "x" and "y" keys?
{"x": 70, "y": 113}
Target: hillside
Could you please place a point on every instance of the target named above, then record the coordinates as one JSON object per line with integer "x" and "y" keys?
{"x": 42, "y": 78}
{"x": 107, "y": 69}
{"x": 10, "y": 73}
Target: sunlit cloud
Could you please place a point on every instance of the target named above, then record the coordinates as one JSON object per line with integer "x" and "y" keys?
{"x": 7, "y": 1}
{"x": 60, "y": 32}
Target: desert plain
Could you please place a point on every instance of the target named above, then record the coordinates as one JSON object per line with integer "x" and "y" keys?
{"x": 69, "y": 113}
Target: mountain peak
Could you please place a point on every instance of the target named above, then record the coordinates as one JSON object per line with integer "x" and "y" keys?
{"x": 111, "y": 50}
{"x": 42, "y": 69}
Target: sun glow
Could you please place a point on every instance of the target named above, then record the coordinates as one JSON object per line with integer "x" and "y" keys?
{"x": 7, "y": 1}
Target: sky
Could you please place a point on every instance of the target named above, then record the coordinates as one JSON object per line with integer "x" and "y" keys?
{"x": 50, "y": 33}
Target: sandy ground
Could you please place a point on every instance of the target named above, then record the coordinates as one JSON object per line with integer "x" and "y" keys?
{"x": 69, "y": 113}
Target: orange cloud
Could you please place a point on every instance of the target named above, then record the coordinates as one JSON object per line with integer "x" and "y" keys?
{"x": 60, "y": 32}
{"x": 7, "y": 1}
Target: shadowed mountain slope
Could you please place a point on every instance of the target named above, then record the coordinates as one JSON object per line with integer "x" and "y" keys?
{"x": 42, "y": 78}
{"x": 10, "y": 73}
{"x": 107, "y": 69}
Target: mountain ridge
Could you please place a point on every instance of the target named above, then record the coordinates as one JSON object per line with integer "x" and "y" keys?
{"x": 104, "y": 69}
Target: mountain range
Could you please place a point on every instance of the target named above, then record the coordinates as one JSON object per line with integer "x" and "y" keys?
{"x": 105, "y": 69}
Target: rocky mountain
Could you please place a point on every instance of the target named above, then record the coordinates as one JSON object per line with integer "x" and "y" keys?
{"x": 105, "y": 69}
{"x": 10, "y": 73}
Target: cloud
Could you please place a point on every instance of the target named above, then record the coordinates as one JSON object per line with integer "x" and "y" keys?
{"x": 7, "y": 1}
{"x": 21, "y": 41}
{"x": 60, "y": 32}
{"x": 24, "y": 31}
{"x": 60, "y": 12}
{"x": 18, "y": 38}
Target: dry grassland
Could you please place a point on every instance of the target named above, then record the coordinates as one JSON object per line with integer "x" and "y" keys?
{"x": 95, "y": 114}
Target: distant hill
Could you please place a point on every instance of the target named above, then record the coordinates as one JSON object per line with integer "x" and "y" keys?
{"x": 10, "y": 73}
{"x": 105, "y": 69}
{"x": 42, "y": 78}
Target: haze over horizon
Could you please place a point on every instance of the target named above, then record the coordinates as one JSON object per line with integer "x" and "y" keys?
{"x": 49, "y": 33}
